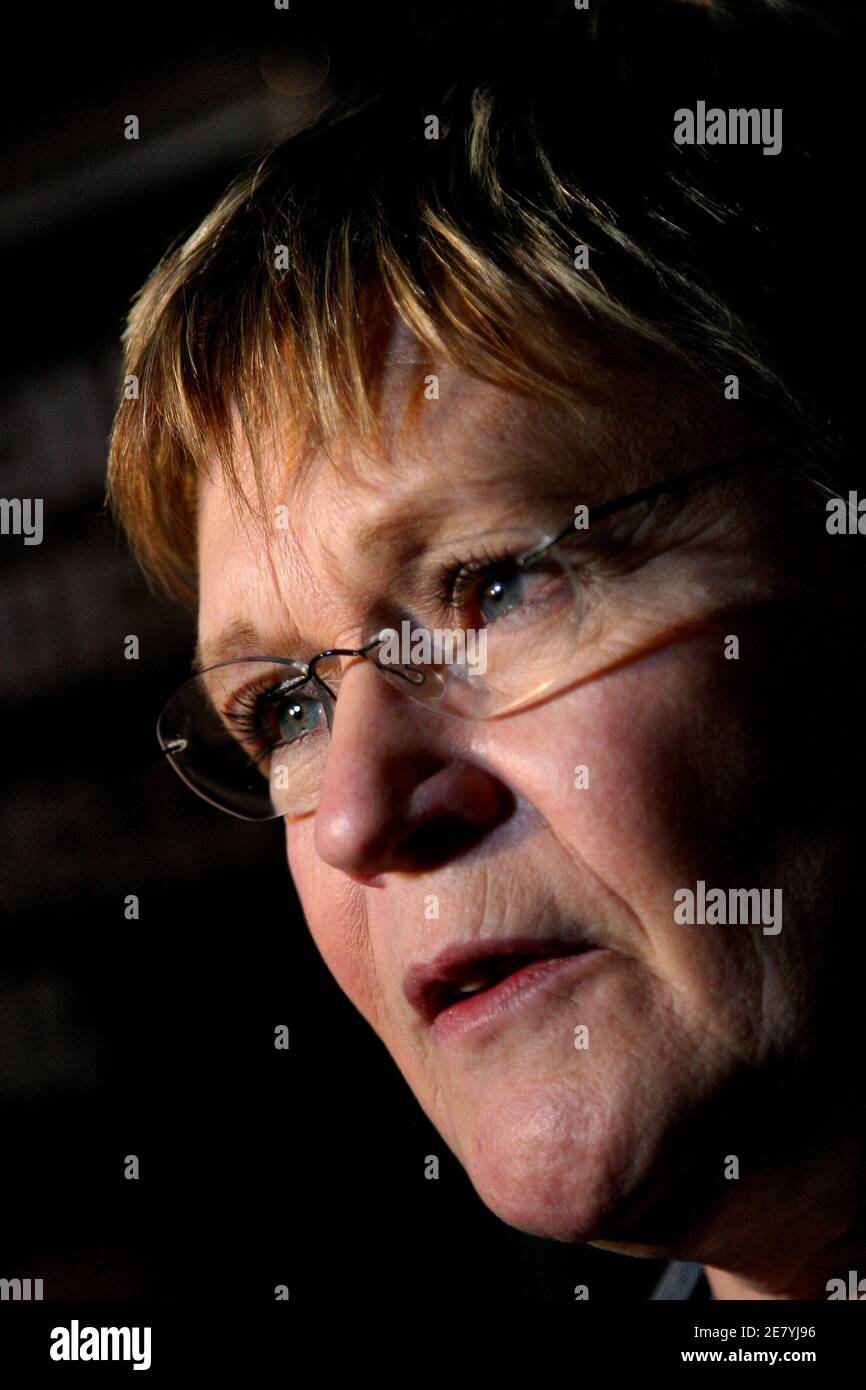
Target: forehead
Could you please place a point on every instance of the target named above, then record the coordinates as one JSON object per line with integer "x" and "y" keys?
{"x": 459, "y": 454}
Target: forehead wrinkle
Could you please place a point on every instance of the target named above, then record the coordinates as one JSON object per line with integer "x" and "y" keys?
{"x": 351, "y": 522}
{"x": 471, "y": 446}
{"x": 247, "y": 632}
{"x": 294, "y": 584}
{"x": 402, "y": 525}
{"x": 326, "y": 594}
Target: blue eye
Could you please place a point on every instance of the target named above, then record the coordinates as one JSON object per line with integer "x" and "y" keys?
{"x": 265, "y": 717}
{"x": 299, "y": 716}
{"x": 499, "y": 595}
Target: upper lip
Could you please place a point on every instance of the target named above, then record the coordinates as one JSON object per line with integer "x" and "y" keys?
{"x": 431, "y": 987}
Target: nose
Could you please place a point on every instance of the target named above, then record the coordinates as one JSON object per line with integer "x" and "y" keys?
{"x": 399, "y": 794}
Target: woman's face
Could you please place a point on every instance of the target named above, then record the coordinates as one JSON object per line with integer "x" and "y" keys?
{"x": 571, "y": 1098}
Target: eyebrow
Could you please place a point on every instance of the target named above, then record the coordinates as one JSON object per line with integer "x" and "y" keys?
{"x": 237, "y": 639}
{"x": 401, "y": 530}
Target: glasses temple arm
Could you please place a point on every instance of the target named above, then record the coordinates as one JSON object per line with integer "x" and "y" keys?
{"x": 646, "y": 494}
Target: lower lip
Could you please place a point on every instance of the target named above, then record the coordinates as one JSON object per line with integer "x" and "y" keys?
{"x": 491, "y": 1005}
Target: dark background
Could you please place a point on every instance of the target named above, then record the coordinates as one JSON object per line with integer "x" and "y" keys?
{"x": 155, "y": 1037}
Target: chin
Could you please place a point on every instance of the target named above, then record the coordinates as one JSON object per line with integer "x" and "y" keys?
{"x": 541, "y": 1158}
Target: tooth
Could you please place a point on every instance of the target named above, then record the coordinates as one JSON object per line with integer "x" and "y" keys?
{"x": 471, "y": 986}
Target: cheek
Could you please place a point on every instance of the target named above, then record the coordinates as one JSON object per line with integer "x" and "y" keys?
{"x": 335, "y": 912}
{"x": 638, "y": 772}
{"x": 677, "y": 788}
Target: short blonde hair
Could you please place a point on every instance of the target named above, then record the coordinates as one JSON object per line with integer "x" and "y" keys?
{"x": 267, "y": 313}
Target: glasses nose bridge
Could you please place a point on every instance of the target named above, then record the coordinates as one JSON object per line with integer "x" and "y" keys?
{"x": 328, "y": 654}
{"x": 394, "y": 679}
{"x": 312, "y": 673}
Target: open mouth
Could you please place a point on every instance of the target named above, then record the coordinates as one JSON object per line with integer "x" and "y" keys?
{"x": 484, "y": 977}
{"x": 467, "y": 981}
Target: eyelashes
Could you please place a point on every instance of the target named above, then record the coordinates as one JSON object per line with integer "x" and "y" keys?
{"x": 248, "y": 715}
{"x": 459, "y": 578}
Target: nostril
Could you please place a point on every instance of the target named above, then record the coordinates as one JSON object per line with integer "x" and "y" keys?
{"x": 439, "y": 840}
